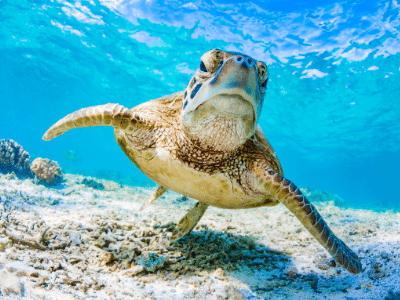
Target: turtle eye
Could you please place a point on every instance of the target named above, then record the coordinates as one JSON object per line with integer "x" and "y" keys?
{"x": 264, "y": 84}
{"x": 202, "y": 67}
{"x": 262, "y": 74}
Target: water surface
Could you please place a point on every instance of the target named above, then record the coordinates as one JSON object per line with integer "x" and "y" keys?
{"x": 333, "y": 102}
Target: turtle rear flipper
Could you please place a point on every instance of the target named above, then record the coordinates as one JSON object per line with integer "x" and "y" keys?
{"x": 189, "y": 221}
{"x": 109, "y": 114}
{"x": 290, "y": 195}
{"x": 157, "y": 193}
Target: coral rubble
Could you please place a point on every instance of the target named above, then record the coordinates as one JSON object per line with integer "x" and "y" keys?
{"x": 14, "y": 158}
{"x": 392, "y": 296}
{"x": 83, "y": 241}
{"x": 46, "y": 170}
{"x": 93, "y": 184}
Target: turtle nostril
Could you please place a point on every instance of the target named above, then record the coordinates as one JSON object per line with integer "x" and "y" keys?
{"x": 239, "y": 58}
{"x": 249, "y": 61}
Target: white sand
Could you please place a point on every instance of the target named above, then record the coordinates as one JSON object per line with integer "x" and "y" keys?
{"x": 110, "y": 250}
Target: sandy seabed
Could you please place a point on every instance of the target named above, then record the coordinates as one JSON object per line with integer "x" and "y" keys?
{"x": 88, "y": 239}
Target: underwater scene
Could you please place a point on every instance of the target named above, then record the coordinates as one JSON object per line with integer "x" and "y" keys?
{"x": 268, "y": 170}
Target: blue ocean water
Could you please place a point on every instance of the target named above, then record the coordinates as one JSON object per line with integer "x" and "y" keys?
{"x": 333, "y": 102}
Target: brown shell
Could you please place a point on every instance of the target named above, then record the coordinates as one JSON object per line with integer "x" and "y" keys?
{"x": 160, "y": 149}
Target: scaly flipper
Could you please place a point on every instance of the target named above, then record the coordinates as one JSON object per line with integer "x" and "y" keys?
{"x": 157, "y": 193}
{"x": 289, "y": 195}
{"x": 189, "y": 221}
{"x": 109, "y": 114}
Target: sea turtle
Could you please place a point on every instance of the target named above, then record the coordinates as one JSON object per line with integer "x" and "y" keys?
{"x": 204, "y": 143}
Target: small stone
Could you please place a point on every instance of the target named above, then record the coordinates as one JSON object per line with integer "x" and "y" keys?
{"x": 33, "y": 274}
{"x": 219, "y": 273}
{"x": 21, "y": 273}
{"x": 189, "y": 294}
{"x": 137, "y": 269}
{"x": 84, "y": 287}
{"x": 11, "y": 249}
{"x": 74, "y": 259}
{"x": 3, "y": 246}
{"x": 194, "y": 281}
{"x": 376, "y": 271}
{"x": 331, "y": 272}
{"x": 126, "y": 264}
{"x": 107, "y": 257}
{"x": 75, "y": 237}
{"x": 54, "y": 266}
{"x": 291, "y": 273}
{"x": 203, "y": 273}
{"x": 133, "y": 271}
{"x": 10, "y": 284}
{"x": 97, "y": 286}
{"x": 41, "y": 281}
{"x": 366, "y": 285}
{"x": 113, "y": 268}
{"x": 232, "y": 292}
{"x": 11, "y": 269}
{"x": 323, "y": 265}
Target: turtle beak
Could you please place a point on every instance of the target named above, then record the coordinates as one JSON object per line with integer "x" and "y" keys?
{"x": 236, "y": 78}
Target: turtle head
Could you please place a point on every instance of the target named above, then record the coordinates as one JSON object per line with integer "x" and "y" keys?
{"x": 223, "y": 100}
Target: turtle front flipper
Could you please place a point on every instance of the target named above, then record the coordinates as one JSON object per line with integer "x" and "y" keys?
{"x": 109, "y": 114}
{"x": 289, "y": 195}
{"x": 189, "y": 221}
{"x": 157, "y": 193}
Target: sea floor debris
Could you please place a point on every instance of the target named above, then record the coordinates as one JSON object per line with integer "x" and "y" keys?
{"x": 76, "y": 241}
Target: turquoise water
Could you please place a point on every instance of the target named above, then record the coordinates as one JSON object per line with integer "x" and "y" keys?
{"x": 332, "y": 106}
